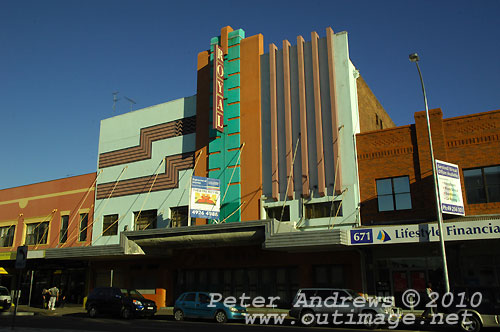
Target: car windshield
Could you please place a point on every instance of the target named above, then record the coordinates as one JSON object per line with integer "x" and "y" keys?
{"x": 352, "y": 293}
{"x": 4, "y": 291}
{"x": 131, "y": 292}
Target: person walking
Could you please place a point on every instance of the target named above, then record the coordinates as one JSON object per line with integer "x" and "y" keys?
{"x": 430, "y": 304}
{"x": 45, "y": 298}
{"x": 54, "y": 296}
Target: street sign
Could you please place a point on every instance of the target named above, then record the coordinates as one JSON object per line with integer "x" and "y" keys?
{"x": 22, "y": 255}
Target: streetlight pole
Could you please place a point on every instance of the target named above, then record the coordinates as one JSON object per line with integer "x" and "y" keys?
{"x": 415, "y": 58}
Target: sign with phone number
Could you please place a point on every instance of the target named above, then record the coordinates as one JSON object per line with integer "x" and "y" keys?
{"x": 204, "y": 214}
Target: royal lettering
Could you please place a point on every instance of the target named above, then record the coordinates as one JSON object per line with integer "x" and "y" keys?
{"x": 218, "y": 89}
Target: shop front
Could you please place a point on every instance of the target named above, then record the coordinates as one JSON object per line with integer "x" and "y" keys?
{"x": 409, "y": 257}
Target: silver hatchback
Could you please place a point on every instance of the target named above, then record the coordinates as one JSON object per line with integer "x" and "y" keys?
{"x": 5, "y": 299}
{"x": 312, "y": 306}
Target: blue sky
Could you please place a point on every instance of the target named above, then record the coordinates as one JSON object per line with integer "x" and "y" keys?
{"x": 60, "y": 61}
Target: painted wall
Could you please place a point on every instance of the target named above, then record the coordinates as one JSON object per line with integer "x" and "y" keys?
{"x": 145, "y": 162}
{"x": 48, "y": 201}
{"x": 347, "y": 114}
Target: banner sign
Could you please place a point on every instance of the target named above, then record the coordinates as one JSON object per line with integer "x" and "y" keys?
{"x": 456, "y": 231}
{"x": 450, "y": 188}
{"x": 205, "y": 198}
{"x": 218, "y": 90}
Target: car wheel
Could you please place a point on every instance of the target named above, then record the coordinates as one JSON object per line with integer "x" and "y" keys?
{"x": 126, "y": 313}
{"x": 470, "y": 323}
{"x": 307, "y": 318}
{"x": 369, "y": 320}
{"x": 92, "y": 312}
{"x": 178, "y": 315}
{"x": 220, "y": 317}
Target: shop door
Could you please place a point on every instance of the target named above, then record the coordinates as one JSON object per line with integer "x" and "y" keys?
{"x": 404, "y": 280}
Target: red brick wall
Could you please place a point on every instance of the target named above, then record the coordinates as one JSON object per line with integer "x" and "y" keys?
{"x": 468, "y": 141}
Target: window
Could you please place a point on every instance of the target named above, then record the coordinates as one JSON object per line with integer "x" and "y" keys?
{"x": 110, "y": 225}
{"x": 63, "y": 233}
{"x": 84, "y": 222}
{"x": 394, "y": 194}
{"x": 482, "y": 185}
{"x": 189, "y": 297}
{"x": 323, "y": 210}
{"x": 179, "y": 216}
{"x": 7, "y": 236}
{"x": 145, "y": 219}
{"x": 275, "y": 212}
{"x": 36, "y": 233}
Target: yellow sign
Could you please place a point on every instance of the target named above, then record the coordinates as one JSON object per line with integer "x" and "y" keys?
{"x": 5, "y": 256}
{"x": 3, "y": 271}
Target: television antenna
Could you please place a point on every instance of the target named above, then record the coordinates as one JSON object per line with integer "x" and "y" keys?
{"x": 115, "y": 100}
{"x": 131, "y": 102}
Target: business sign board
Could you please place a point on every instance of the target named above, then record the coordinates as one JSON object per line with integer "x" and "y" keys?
{"x": 218, "y": 90}
{"x": 205, "y": 198}
{"x": 455, "y": 231}
{"x": 450, "y": 188}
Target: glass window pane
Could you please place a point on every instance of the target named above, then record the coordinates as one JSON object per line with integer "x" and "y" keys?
{"x": 473, "y": 178}
{"x": 492, "y": 175}
{"x": 474, "y": 186}
{"x": 475, "y": 195}
{"x": 494, "y": 193}
{"x": 403, "y": 201}
{"x": 385, "y": 203}
{"x": 384, "y": 187}
{"x": 401, "y": 185}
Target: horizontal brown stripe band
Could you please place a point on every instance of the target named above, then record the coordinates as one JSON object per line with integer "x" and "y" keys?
{"x": 148, "y": 135}
{"x": 164, "y": 181}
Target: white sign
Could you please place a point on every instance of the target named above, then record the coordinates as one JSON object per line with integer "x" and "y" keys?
{"x": 456, "y": 231}
{"x": 450, "y": 188}
{"x": 205, "y": 198}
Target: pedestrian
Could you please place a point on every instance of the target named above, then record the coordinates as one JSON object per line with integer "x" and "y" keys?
{"x": 54, "y": 296}
{"x": 430, "y": 303}
{"x": 45, "y": 298}
{"x": 62, "y": 301}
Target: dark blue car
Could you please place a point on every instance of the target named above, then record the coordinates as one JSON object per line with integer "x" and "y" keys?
{"x": 197, "y": 305}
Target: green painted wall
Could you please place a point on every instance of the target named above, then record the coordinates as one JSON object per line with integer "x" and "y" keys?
{"x": 225, "y": 143}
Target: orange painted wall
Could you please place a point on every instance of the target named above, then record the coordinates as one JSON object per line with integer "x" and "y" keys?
{"x": 251, "y": 157}
{"x": 46, "y": 200}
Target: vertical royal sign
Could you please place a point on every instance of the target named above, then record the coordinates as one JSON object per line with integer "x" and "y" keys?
{"x": 218, "y": 96}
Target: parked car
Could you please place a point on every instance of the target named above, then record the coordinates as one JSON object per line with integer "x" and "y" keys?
{"x": 197, "y": 305}
{"x": 5, "y": 299}
{"x": 126, "y": 303}
{"x": 310, "y": 304}
{"x": 482, "y": 305}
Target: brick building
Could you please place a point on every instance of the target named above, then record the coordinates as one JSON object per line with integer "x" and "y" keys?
{"x": 47, "y": 217}
{"x": 397, "y": 194}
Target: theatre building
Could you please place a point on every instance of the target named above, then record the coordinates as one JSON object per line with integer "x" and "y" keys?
{"x": 276, "y": 126}
{"x": 50, "y": 218}
{"x": 398, "y": 235}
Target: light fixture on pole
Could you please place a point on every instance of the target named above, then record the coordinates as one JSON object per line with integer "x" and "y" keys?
{"x": 415, "y": 58}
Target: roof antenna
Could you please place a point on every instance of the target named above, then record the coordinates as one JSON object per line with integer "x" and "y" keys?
{"x": 115, "y": 100}
{"x": 131, "y": 102}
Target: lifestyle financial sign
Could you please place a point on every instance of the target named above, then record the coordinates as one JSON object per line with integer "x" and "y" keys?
{"x": 453, "y": 231}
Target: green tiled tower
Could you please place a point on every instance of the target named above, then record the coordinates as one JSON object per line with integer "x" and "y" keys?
{"x": 224, "y": 148}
